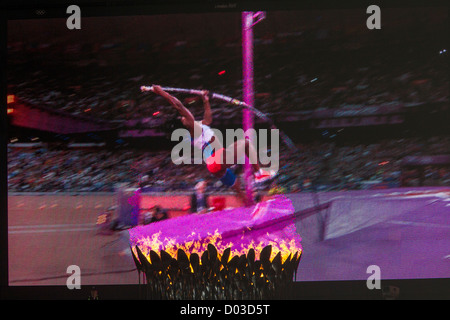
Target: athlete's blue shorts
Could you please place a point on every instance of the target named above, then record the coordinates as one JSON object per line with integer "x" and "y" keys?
{"x": 229, "y": 178}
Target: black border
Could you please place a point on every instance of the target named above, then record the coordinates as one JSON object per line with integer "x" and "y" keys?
{"x": 22, "y": 9}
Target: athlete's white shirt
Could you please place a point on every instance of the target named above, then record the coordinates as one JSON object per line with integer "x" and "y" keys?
{"x": 203, "y": 138}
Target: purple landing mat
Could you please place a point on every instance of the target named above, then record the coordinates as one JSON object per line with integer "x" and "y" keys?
{"x": 406, "y": 232}
{"x": 269, "y": 222}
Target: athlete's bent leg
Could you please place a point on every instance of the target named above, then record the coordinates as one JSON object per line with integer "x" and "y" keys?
{"x": 244, "y": 147}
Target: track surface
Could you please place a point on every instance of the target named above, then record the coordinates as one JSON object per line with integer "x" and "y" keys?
{"x": 405, "y": 232}
{"x": 48, "y": 233}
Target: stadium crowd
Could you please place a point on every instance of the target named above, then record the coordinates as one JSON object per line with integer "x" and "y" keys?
{"x": 323, "y": 67}
{"x": 103, "y": 80}
{"x": 324, "y": 166}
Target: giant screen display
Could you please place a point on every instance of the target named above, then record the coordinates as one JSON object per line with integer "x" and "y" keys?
{"x": 321, "y": 132}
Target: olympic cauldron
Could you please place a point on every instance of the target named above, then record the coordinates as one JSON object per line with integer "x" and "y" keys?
{"x": 242, "y": 253}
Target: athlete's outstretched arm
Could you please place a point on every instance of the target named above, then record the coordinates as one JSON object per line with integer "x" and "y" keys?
{"x": 207, "y": 117}
{"x": 176, "y": 104}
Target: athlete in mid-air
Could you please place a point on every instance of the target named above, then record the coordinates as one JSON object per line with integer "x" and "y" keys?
{"x": 214, "y": 154}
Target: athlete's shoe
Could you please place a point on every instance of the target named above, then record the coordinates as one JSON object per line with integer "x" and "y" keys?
{"x": 264, "y": 175}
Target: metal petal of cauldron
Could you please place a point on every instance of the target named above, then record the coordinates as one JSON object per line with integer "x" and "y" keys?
{"x": 215, "y": 276}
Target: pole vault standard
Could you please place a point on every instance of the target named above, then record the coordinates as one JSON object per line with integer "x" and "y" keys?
{"x": 249, "y": 19}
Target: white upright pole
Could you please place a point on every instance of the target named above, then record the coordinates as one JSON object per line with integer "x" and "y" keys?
{"x": 248, "y": 92}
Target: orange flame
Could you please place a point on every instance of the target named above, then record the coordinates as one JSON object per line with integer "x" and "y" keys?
{"x": 195, "y": 244}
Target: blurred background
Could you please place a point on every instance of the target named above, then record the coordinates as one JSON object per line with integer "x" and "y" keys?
{"x": 366, "y": 108}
